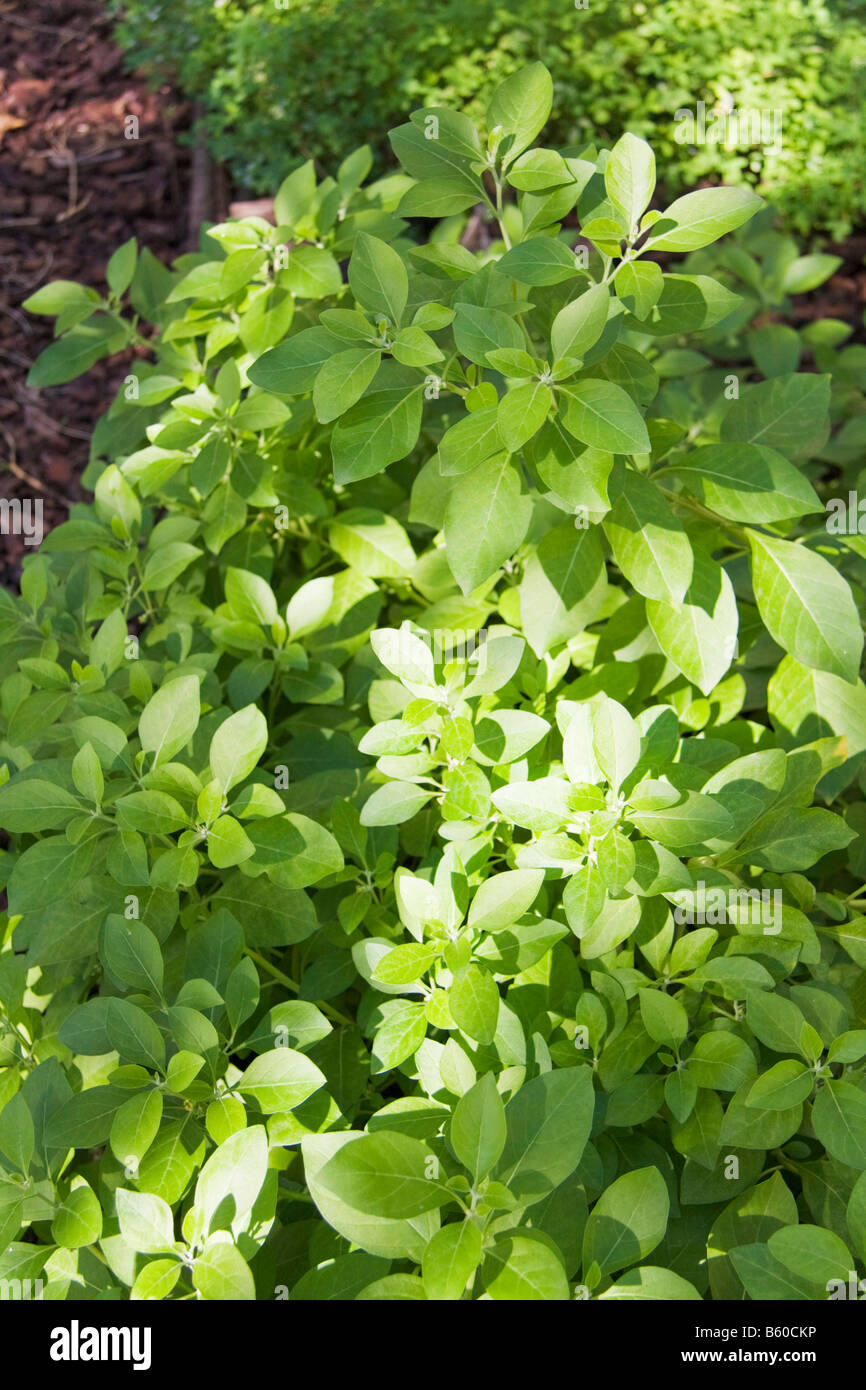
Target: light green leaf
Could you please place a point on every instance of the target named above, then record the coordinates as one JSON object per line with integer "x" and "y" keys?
{"x": 520, "y": 106}
{"x": 487, "y": 517}
{"x": 146, "y": 1221}
{"x": 604, "y": 416}
{"x": 385, "y": 1174}
{"x": 237, "y": 746}
{"x": 378, "y": 277}
{"x": 478, "y": 1129}
{"x": 627, "y": 1222}
{"x": 450, "y": 1260}
{"x": 648, "y": 541}
{"x": 806, "y": 606}
{"x": 170, "y": 718}
{"x": 281, "y": 1079}
{"x": 630, "y": 177}
{"x": 699, "y": 634}
{"x": 702, "y": 217}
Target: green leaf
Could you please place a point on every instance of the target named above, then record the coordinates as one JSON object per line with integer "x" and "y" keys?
{"x": 34, "y": 805}
{"x": 579, "y": 325}
{"x": 839, "y": 1121}
{"x": 548, "y": 1126}
{"x": 775, "y": 1021}
{"x": 291, "y": 368}
{"x": 522, "y": 412}
{"x": 385, "y": 1174}
{"x": 406, "y": 964}
{"x": 522, "y": 1269}
{"x": 87, "y": 774}
{"x": 378, "y": 431}
{"x": 765, "y": 1277}
{"x": 806, "y": 606}
{"x": 789, "y": 413}
{"x": 228, "y": 843}
{"x": 250, "y": 596}
{"x": 132, "y": 953}
{"x": 135, "y": 1126}
{"x": 702, "y": 217}
{"x": 17, "y": 1134}
{"x": 84, "y": 1120}
{"x": 721, "y": 1062}
{"x": 473, "y": 1001}
{"x": 311, "y": 273}
{"x": 75, "y": 353}
{"x": 486, "y": 520}
{"x": 503, "y": 898}
{"x": 168, "y": 563}
{"x": 804, "y": 703}
{"x": 663, "y": 1016}
{"x": 155, "y": 813}
{"x": 691, "y": 822}
{"x": 630, "y": 177}
{"x": 231, "y": 1180}
{"x": 750, "y": 1217}
{"x": 604, "y": 416}
{"x": 747, "y": 482}
{"x": 237, "y": 746}
{"x": 155, "y": 1281}
{"x": 812, "y": 1253}
{"x": 478, "y": 1128}
{"x": 700, "y": 634}
{"x": 222, "y": 1274}
{"x": 785, "y": 1085}
{"x": 520, "y": 106}
{"x": 450, "y": 1259}
{"x": 785, "y": 840}
{"x": 170, "y": 718}
{"x": 478, "y": 331}
{"x": 146, "y": 1221}
{"x": 378, "y": 278}
{"x": 342, "y": 380}
{"x": 563, "y": 587}
{"x": 650, "y": 1283}
{"x": 77, "y": 1217}
{"x": 616, "y": 741}
{"x": 471, "y": 441}
{"x": 393, "y": 804}
{"x": 134, "y": 1034}
{"x": 58, "y": 296}
{"x": 372, "y": 543}
{"x": 627, "y": 1222}
{"x": 542, "y": 260}
{"x": 280, "y": 1080}
{"x": 400, "y": 1036}
{"x": 648, "y": 541}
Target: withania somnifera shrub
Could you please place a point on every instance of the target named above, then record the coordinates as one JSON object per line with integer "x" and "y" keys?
{"x": 433, "y": 764}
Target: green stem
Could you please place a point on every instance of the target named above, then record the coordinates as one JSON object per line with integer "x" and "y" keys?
{"x": 499, "y": 215}
{"x": 293, "y": 985}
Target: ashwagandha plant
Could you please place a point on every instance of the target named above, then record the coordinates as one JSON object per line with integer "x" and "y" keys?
{"x": 414, "y": 887}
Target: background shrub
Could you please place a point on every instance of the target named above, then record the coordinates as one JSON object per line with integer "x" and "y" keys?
{"x": 262, "y": 72}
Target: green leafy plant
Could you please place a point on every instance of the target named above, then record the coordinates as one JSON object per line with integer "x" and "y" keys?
{"x": 415, "y": 889}
{"x": 792, "y": 69}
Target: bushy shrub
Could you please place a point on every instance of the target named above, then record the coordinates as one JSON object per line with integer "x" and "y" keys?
{"x": 414, "y": 886}
{"x": 261, "y": 70}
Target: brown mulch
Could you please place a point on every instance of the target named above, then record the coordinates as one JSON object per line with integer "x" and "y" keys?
{"x": 73, "y": 187}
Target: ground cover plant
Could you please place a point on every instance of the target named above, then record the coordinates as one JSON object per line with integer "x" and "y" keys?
{"x": 433, "y": 765}
{"x": 780, "y": 82}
